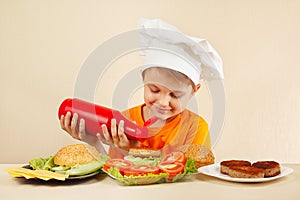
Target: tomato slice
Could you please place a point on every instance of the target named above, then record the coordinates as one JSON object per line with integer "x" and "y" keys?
{"x": 172, "y": 168}
{"x": 121, "y": 164}
{"x": 176, "y": 156}
{"x": 137, "y": 170}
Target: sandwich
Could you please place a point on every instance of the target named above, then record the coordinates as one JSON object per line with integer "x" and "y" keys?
{"x": 72, "y": 160}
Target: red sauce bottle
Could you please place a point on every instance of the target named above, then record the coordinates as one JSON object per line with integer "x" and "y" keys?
{"x": 96, "y": 115}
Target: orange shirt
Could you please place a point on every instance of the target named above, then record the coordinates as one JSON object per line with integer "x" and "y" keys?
{"x": 186, "y": 128}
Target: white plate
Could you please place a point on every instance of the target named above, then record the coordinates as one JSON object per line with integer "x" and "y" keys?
{"x": 214, "y": 170}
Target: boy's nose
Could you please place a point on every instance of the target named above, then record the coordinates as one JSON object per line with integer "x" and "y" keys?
{"x": 163, "y": 101}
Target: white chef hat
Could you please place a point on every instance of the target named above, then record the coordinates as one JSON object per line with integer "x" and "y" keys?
{"x": 165, "y": 46}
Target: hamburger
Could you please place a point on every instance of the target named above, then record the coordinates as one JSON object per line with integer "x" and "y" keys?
{"x": 72, "y": 160}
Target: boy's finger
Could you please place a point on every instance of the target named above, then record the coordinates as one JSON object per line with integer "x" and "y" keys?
{"x": 81, "y": 133}
{"x": 106, "y": 134}
{"x": 114, "y": 132}
{"x": 74, "y": 126}
{"x": 62, "y": 119}
{"x": 121, "y": 133}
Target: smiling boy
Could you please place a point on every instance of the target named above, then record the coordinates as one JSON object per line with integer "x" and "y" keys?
{"x": 170, "y": 81}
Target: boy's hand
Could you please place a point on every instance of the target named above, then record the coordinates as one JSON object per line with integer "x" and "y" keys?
{"x": 117, "y": 136}
{"x": 70, "y": 126}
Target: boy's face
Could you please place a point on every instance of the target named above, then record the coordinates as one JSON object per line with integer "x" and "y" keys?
{"x": 165, "y": 96}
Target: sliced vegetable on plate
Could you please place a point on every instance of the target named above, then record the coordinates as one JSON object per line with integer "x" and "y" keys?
{"x": 141, "y": 170}
{"x": 169, "y": 168}
{"x": 121, "y": 164}
{"x": 176, "y": 156}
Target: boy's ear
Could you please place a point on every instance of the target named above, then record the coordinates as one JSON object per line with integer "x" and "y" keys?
{"x": 197, "y": 87}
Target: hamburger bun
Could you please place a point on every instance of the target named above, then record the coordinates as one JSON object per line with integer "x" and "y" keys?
{"x": 144, "y": 152}
{"x": 76, "y": 154}
{"x": 201, "y": 154}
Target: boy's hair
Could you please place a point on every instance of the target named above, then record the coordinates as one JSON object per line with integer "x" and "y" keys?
{"x": 178, "y": 75}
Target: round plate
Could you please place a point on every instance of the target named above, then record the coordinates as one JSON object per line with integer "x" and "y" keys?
{"x": 72, "y": 177}
{"x": 214, "y": 170}
{"x": 83, "y": 176}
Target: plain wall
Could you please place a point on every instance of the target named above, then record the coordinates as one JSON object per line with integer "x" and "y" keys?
{"x": 44, "y": 43}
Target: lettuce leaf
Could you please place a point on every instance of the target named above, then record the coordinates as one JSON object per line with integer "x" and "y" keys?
{"x": 142, "y": 161}
{"x": 42, "y": 163}
{"x": 83, "y": 169}
{"x": 189, "y": 168}
{"x": 49, "y": 164}
{"x": 115, "y": 173}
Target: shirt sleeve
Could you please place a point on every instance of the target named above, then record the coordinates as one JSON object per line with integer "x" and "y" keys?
{"x": 198, "y": 132}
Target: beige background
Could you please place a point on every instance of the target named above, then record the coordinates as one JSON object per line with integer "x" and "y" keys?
{"x": 44, "y": 43}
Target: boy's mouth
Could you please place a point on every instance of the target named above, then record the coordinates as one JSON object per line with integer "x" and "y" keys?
{"x": 161, "y": 110}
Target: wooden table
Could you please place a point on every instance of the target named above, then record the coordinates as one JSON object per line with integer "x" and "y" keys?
{"x": 102, "y": 187}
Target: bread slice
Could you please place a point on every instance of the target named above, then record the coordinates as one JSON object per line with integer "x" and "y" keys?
{"x": 245, "y": 172}
{"x": 271, "y": 168}
{"x": 225, "y": 165}
{"x": 144, "y": 152}
{"x": 201, "y": 154}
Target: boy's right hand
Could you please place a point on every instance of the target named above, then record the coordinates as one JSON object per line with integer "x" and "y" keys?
{"x": 69, "y": 124}
{"x": 116, "y": 137}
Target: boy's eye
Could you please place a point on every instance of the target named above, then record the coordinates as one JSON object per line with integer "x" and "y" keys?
{"x": 175, "y": 96}
{"x": 154, "y": 91}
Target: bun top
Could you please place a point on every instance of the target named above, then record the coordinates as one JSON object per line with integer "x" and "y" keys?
{"x": 201, "y": 154}
{"x": 144, "y": 152}
{"x": 76, "y": 154}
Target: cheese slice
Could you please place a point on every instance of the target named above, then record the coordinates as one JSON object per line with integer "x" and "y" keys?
{"x": 47, "y": 175}
{"x": 40, "y": 174}
{"x": 20, "y": 172}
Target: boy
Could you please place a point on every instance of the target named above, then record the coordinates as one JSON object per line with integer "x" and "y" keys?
{"x": 169, "y": 83}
